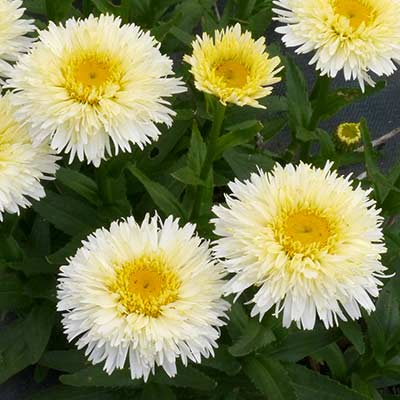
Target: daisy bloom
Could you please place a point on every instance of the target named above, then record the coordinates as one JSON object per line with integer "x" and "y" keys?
{"x": 233, "y": 66}
{"x": 12, "y": 30}
{"x": 150, "y": 293}
{"x": 94, "y": 87}
{"x": 348, "y": 135}
{"x": 308, "y": 241}
{"x": 22, "y": 166}
{"x": 356, "y": 36}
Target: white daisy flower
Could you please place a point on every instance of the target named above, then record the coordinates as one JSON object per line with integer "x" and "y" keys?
{"x": 306, "y": 239}
{"x": 13, "y": 29}
{"x": 22, "y": 166}
{"x": 356, "y": 36}
{"x": 150, "y": 293}
{"x": 94, "y": 87}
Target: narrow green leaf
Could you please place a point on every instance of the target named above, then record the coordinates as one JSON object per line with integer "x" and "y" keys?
{"x": 311, "y": 385}
{"x": 12, "y": 295}
{"x": 58, "y": 10}
{"x": 67, "y": 214}
{"x": 333, "y": 356}
{"x": 254, "y": 337}
{"x": 153, "y": 391}
{"x": 197, "y": 151}
{"x": 384, "y": 323}
{"x": 328, "y": 106}
{"x": 299, "y": 106}
{"x": 79, "y": 183}
{"x": 353, "y": 332}
{"x": 223, "y": 361}
{"x": 182, "y": 36}
{"x": 65, "y": 360}
{"x": 105, "y": 6}
{"x": 243, "y": 162}
{"x": 23, "y": 343}
{"x": 186, "y": 377}
{"x": 96, "y": 377}
{"x": 298, "y": 345}
{"x": 187, "y": 176}
{"x": 240, "y": 134}
{"x": 33, "y": 266}
{"x": 73, "y": 393}
{"x": 270, "y": 378}
{"x": 161, "y": 196}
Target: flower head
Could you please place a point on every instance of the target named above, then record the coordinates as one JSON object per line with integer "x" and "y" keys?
{"x": 94, "y": 87}
{"x": 356, "y": 36}
{"x": 148, "y": 292}
{"x": 306, "y": 239}
{"x": 13, "y": 29}
{"x": 348, "y": 135}
{"x": 233, "y": 66}
{"x": 22, "y": 166}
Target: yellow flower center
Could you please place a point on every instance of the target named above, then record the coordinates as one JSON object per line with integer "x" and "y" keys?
{"x": 356, "y": 11}
{"x": 349, "y": 133}
{"x": 305, "y": 232}
{"x": 233, "y": 73}
{"x": 145, "y": 285}
{"x": 90, "y": 77}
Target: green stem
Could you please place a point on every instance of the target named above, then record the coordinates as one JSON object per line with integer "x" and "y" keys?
{"x": 213, "y": 136}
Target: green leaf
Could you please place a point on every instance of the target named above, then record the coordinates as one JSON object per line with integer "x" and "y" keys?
{"x": 67, "y": 214}
{"x": 72, "y": 393}
{"x": 298, "y": 345}
{"x": 364, "y": 387}
{"x": 223, "y": 361}
{"x": 105, "y": 6}
{"x": 12, "y": 295}
{"x": 182, "y": 36}
{"x": 384, "y": 323}
{"x": 95, "y": 376}
{"x": 186, "y": 377}
{"x": 243, "y": 163}
{"x": 239, "y": 134}
{"x": 187, "y": 176}
{"x": 161, "y": 196}
{"x": 326, "y": 107}
{"x": 299, "y": 106}
{"x": 352, "y": 331}
{"x": 238, "y": 321}
{"x": 32, "y": 266}
{"x": 59, "y": 257}
{"x": 382, "y": 184}
{"x": 153, "y": 391}
{"x": 270, "y": 378}
{"x": 254, "y": 337}
{"x": 197, "y": 151}
{"x": 64, "y": 360}
{"x": 79, "y": 183}
{"x": 333, "y": 356}
{"x": 58, "y": 10}
{"x": 23, "y": 343}
{"x": 311, "y": 385}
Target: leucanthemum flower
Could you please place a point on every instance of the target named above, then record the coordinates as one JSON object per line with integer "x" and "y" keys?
{"x": 233, "y": 67}
{"x": 22, "y": 166}
{"x": 308, "y": 241}
{"x": 94, "y": 87}
{"x": 12, "y": 30}
{"x": 150, "y": 293}
{"x": 356, "y": 36}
